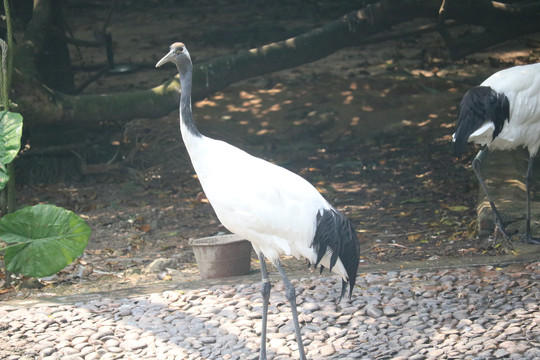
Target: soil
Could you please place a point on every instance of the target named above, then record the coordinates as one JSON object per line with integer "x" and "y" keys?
{"x": 369, "y": 126}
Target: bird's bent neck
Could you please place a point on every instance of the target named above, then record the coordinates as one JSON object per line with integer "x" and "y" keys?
{"x": 187, "y": 123}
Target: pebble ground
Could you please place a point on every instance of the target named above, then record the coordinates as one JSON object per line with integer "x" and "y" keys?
{"x": 462, "y": 313}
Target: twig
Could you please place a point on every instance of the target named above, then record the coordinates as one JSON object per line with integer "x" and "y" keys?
{"x": 406, "y": 234}
{"x": 91, "y": 79}
{"x": 382, "y": 245}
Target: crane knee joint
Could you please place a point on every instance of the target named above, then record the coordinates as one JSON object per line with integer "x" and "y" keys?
{"x": 290, "y": 294}
{"x": 265, "y": 289}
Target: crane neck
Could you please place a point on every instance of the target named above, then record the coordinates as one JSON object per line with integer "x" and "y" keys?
{"x": 187, "y": 123}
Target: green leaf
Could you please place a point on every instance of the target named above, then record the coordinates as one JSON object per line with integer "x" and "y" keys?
{"x": 414, "y": 200}
{"x": 10, "y": 141}
{"x": 457, "y": 208}
{"x": 430, "y": 89}
{"x": 48, "y": 239}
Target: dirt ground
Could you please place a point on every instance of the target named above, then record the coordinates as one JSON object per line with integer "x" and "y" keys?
{"x": 369, "y": 126}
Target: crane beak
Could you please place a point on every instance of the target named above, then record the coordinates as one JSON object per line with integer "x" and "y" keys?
{"x": 167, "y": 58}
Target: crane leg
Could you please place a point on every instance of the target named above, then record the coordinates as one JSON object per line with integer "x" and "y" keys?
{"x": 265, "y": 292}
{"x": 499, "y": 226}
{"x": 291, "y": 296}
{"x": 528, "y": 237}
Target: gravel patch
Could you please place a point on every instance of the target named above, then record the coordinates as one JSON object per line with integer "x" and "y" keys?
{"x": 466, "y": 313}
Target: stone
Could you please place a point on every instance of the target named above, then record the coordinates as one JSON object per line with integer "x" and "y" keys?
{"x": 500, "y": 353}
{"x": 47, "y": 352}
{"x": 132, "y": 344}
{"x": 373, "y": 312}
{"x": 159, "y": 265}
{"x": 386, "y": 321}
{"x": 327, "y": 350}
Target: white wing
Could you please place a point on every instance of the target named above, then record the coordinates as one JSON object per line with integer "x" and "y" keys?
{"x": 270, "y": 206}
{"x": 521, "y": 85}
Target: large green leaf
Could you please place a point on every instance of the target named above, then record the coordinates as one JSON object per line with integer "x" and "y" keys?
{"x": 10, "y": 141}
{"x": 47, "y": 237}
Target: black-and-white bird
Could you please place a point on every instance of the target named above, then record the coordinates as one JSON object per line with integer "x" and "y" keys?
{"x": 276, "y": 210}
{"x": 503, "y": 113}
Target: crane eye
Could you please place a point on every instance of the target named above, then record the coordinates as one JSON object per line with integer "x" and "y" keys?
{"x": 180, "y": 50}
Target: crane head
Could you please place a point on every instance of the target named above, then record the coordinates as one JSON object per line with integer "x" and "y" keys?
{"x": 178, "y": 54}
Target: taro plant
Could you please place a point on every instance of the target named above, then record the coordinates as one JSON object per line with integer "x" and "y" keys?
{"x": 42, "y": 239}
{"x": 39, "y": 240}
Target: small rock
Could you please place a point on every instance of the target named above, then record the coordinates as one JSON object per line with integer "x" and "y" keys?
{"x": 435, "y": 353}
{"x": 283, "y": 350}
{"x": 500, "y": 353}
{"x": 115, "y": 350}
{"x": 373, "y": 312}
{"x": 343, "y": 320}
{"x": 132, "y": 344}
{"x": 124, "y": 310}
{"x": 159, "y": 265}
{"x": 131, "y": 335}
{"x": 310, "y": 307}
{"x": 327, "y": 350}
{"x": 463, "y": 323}
{"x": 389, "y": 311}
{"x": 111, "y": 343}
{"x": 47, "y": 352}
{"x": 79, "y": 340}
{"x": 208, "y": 339}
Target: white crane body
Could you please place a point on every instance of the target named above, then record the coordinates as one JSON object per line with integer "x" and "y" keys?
{"x": 503, "y": 113}
{"x": 521, "y": 86}
{"x": 271, "y": 206}
{"x": 279, "y": 212}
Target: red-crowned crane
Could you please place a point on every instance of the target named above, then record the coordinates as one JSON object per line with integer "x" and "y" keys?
{"x": 502, "y": 114}
{"x": 276, "y": 210}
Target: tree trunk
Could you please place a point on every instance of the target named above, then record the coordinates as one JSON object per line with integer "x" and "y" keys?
{"x": 54, "y": 63}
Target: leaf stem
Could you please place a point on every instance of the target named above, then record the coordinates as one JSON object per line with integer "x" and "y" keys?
{"x": 8, "y": 195}
{"x": 7, "y": 60}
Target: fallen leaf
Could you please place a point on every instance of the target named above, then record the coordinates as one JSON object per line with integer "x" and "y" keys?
{"x": 201, "y": 197}
{"x": 405, "y": 214}
{"x": 144, "y": 228}
{"x": 414, "y": 200}
{"x": 457, "y": 208}
{"x": 413, "y": 237}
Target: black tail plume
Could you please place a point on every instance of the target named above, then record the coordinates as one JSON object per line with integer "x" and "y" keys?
{"x": 479, "y": 104}
{"x": 336, "y": 236}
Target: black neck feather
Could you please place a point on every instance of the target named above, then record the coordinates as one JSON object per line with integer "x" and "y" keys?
{"x": 186, "y": 115}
